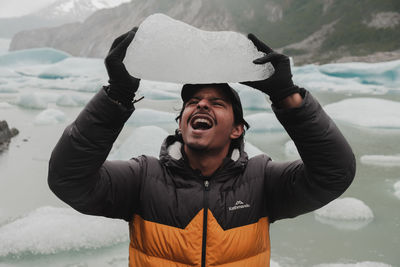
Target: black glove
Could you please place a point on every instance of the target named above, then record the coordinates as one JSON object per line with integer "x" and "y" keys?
{"x": 280, "y": 84}
{"x": 122, "y": 85}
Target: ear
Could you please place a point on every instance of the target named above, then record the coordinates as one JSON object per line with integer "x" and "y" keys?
{"x": 237, "y": 131}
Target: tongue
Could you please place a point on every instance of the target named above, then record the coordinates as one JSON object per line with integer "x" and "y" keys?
{"x": 201, "y": 125}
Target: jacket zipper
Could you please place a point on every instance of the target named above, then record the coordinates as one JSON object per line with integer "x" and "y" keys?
{"x": 204, "y": 241}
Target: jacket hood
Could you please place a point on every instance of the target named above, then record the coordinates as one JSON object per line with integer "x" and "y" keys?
{"x": 173, "y": 156}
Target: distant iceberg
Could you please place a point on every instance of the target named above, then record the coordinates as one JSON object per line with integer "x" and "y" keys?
{"x": 50, "y": 230}
{"x": 251, "y": 98}
{"x": 35, "y": 56}
{"x": 358, "y": 78}
{"x": 382, "y": 73}
{"x": 357, "y": 264}
{"x": 75, "y": 67}
{"x": 159, "y": 90}
{"x": 263, "y": 122}
{"x": 381, "y": 160}
{"x": 367, "y": 112}
{"x": 145, "y": 116}
{"x": 396, "y": 187}
{"x": 252, "y": 150}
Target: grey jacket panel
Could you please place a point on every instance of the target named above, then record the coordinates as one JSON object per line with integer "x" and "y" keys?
{"x": 326, "y": 168}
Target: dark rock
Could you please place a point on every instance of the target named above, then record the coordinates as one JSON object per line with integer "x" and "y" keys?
{"x": 6, "y": 134}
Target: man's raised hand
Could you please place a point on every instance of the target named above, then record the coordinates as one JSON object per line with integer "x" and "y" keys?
{"x": 280, "y": 84}
{"x": 122, "y": 85}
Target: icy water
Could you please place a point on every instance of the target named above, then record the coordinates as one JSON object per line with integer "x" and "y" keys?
{"x": 43, "y": 90}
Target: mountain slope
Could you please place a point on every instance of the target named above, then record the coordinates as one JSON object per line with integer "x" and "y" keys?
{"x": 309, "y": 30}
{"x": 75, "y": 10}
{"x": 56, "y": 14}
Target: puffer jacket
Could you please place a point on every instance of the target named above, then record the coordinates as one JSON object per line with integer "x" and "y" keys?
{"x": 177, "y": 217}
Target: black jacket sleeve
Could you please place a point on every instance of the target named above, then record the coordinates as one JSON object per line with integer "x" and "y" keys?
{"x": 78, "y": 171}
{"x": 326, "y": 168}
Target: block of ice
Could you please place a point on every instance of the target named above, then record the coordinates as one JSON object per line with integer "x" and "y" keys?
{"x": 357, "y": 264}
{"x": 345, "y": 213}
{"x": 396, "y": 187}
{"x": 263, "y": 122}
{"x": 145, "y": 140}
{"x": 33, "y": 56}
{"x": 50, "y": 116}
{"x": 367, "y": 112}
{"x": 165, "y": 49}
{"x": 50, "y": 230}
{"x": 381, "y": 160}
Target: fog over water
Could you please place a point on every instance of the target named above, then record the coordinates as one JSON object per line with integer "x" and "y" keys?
{"x": 43, "y": 90}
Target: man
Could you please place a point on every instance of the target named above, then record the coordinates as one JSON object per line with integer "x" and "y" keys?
{"x": 203, "y": 202}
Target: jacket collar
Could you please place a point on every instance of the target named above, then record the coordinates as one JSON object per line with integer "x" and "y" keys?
{"x": 172, "y": 155}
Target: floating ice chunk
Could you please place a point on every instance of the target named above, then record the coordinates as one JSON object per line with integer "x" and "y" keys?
{"x": 251, "y": 99}
{"x": 50, "y": 230}
{"x": 4, "y": 45}
{"x": 263, "y": 122}
{"x": 358, "y": 264}
{"x": 291, "y": 150}
{"x": 367, "y": 112}
{"x": 8, "y": 73}
{"x": 396, "y": 187}
{"x": 370, "y": 78}
{"x": 75, "y": 67}
{"x": 345, "y": 213}
{"x": 31, "y": 100}
{"x": 68, "y": 100}
{"x": 252, "y": 150}
{"x": 5, "y": 105}
{"x": 33, "y": 56}
{"x": 165, "y": 49}
{"x": 382, "y": 73}
{"x": 157, "y": 94}
{"x": 273, "y": 264}
{"x": 50, "y": 116}
{"x": 144, "y": 116}
{"x": 381, "y": 160}
{"x": 145, "y": 140}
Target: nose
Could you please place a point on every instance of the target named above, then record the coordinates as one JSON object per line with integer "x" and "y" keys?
{"x": 203, "y": 104}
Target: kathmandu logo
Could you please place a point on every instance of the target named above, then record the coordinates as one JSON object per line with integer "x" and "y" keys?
{"x": 239, "y": 205}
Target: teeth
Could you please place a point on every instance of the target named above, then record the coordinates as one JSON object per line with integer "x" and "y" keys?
{"x": 200, "y": 120}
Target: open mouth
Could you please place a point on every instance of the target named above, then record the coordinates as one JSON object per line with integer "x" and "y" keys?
{"x": 201, "y": 123}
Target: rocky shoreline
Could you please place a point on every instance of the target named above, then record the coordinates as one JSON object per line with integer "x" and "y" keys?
{"x": 6, "y": 134}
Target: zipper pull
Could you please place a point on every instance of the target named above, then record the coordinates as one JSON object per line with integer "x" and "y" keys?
{"x": 206, "y": 184}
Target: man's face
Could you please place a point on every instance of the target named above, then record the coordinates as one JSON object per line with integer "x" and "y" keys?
{"x": 207, "y": 122}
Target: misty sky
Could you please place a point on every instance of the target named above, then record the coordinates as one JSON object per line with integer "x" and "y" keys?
{"x": 15, "y": 8}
